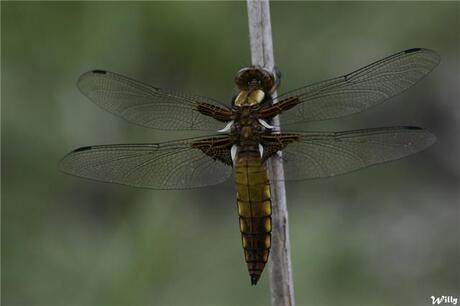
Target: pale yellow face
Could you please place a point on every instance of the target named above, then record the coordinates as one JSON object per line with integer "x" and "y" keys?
{"x": 248, "y": 98}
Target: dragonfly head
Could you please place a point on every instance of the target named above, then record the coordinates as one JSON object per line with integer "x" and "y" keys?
{"x": 254, "y": 83}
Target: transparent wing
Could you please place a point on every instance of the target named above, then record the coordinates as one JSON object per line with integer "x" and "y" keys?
{"x": 321, "y": 154}
{"x": 149, "y": 106}
{"x": 358, "y": 90}
{"x": 189, "y": 163}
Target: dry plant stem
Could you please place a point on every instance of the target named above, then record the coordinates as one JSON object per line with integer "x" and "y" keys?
{"x": 281, "y": 283}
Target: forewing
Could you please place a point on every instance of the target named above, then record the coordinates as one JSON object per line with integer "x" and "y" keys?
{"x": 358, "y": 90}
{"x": 322, "y": 154}
{"x": 171, "y": 165}
{"x": 149, "y": 106}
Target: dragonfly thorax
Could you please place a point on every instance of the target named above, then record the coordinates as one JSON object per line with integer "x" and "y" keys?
{"x": 247, "y": 130}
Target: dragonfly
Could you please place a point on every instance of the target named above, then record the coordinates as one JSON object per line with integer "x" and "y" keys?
{"x": 245, "y": 136}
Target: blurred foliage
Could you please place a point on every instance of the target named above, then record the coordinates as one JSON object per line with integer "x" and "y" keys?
{"x": 387, "y": 235}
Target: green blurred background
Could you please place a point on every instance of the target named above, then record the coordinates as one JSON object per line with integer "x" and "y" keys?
{"x": 386, "y": 235}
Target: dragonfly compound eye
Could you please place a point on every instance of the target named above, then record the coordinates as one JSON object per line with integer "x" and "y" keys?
{"x": 255, "y": 77}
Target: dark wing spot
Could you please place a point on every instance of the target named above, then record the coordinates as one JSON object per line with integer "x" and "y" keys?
{"x": 412, "y": 50}
{"x": 413, "y": 128}
{"x": 82, "y": 149}
{"x": 100, "y": 71}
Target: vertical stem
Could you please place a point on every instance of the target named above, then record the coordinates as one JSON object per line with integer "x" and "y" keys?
{"x": 281, "y": 283}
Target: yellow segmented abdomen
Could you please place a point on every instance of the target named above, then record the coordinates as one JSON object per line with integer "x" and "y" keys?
{"x": 254, "y": 209}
